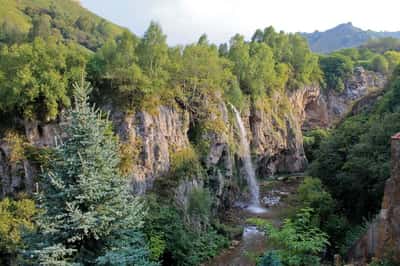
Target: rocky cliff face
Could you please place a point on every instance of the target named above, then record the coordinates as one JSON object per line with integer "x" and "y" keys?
{"x": 328, "y": 107}
{"x": 274, "y": 131}
{"x": 382, "y": 239}
{"x": 277, "y": 140}
{"x": 154, "y": 137}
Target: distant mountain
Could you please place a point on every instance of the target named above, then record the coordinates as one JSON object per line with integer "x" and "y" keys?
{"x": 343, "y": 36}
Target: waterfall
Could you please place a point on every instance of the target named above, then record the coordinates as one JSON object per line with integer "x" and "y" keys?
{"x": 248, "y": 165}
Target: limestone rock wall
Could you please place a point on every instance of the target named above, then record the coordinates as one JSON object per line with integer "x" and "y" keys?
{"x": 327, "y": 108}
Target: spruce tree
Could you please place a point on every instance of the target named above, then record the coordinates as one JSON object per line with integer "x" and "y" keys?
{"x": 89, "y": 216}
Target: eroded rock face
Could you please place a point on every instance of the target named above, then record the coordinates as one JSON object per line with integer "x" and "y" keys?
{"x": 155, "y": 137}
{"x": 327, "y": 108}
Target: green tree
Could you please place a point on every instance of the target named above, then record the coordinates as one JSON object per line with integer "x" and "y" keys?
{"x": 380, "y": 64}
{"x": 393, "y": 59}
{"x": 261, "y": 75}
{"x": 336, "y": 69}
{"x": 203, "y": 40}
{"x": 87, "y": 213}
{"x": 153, "y": 55}
{"x": 223, "y": 49}
{"x": 304, "y": 63}
{"x": 239, "y": 55}
{"x": 115, "y": 68}
{"x": 41, "y": 27}
{"x": 34, "y": 77}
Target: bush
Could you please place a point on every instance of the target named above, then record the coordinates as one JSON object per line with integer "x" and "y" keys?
{"x": 311, "y": 194}
{"x": 299, "y": 241}
{"x": 200, "y": 206}
{"x": 380, "y": 64}
{"x": 312, "y": 140}
{"x": 15, "y": 217}
{"x": 174, "y": 241}
{"x": 270, "y": 258}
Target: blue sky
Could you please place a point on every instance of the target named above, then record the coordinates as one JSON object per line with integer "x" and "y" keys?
{"x": 185, "y": 20}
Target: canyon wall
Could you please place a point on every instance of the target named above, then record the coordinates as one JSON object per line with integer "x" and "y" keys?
{"x": 274, "y": 130}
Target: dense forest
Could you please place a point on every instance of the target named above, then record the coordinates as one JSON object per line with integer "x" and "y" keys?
{"x": 61, "y": 64}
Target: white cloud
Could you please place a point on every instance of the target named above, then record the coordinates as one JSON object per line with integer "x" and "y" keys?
{"x": 185, "y": 20}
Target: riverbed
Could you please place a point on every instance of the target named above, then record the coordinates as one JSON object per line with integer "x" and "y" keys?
{"x": 253, "y": 242}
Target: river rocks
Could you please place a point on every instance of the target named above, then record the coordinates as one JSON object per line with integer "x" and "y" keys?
{"x": 271, "y": 201}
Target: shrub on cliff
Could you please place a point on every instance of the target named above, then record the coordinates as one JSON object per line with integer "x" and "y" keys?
{"x": 15, "y": 217}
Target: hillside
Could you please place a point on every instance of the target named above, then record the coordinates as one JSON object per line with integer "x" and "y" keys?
{"x": 343, "y": 36}
{"x": 67, "y": 19}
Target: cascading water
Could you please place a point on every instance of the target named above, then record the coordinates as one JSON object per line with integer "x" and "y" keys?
{"x": 248, "y": 165}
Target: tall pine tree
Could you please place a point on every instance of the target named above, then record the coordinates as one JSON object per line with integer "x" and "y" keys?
{"x": 89, "y": 216}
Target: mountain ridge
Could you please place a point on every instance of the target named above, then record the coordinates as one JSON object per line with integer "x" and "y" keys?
{"x": 344, "y": 35}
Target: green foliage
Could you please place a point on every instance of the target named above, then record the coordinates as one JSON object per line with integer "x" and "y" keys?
{"x": 115, "y": 70}
{"x": 272, "y": 61}
{"x": 185, "y": 163}
{"x": 88, "y": 215}
{"x": 270, "y": 258}
{"x": 65, "y": 20}
{"x": 33, "y": 77}
{"x": 393, "y": 59}
{"x": 41, "y": 27}
{"x": 382, "y": 45}
{"x": 153, "y": 55}
{"x": 16, "y": 145}
{"x": 179, "y": 243}
{"x": 336, "y": 68}
{"x": 312, "y": 140}
{"x": 354, "y": 161}
{"x": 299, "y": 241}
{"x": 311, "y": 194}
{"x": 15, "y": 217}
{"x": 200, "y": 207}
{"x": 380, "y": 64}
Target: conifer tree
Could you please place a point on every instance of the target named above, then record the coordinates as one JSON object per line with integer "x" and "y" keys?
{"x": 89, "y": 216}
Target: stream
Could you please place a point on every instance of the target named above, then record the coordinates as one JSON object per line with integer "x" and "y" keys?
{"x": 252, "y": 242}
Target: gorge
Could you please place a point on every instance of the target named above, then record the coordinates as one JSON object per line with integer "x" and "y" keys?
{"x": 118, "y": 149}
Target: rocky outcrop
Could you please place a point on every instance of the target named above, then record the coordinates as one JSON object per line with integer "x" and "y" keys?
{"x": 155, "y": 138}
{"x": 382, "y": 239}
{"x": 327, "y": 108}
{"x": 277, "y": 140}
{"x": 19, "y": 175}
